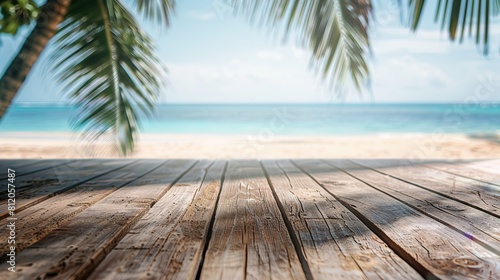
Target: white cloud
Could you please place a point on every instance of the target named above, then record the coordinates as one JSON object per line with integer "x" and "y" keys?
{"x": 269, "y": 55}
{"x": 299, "y": 53}
{"x": 410, "y": 46}
{"x": 203, "y": 16}
{"x": 414, "y": 78}
{"x": 401, "y": 41}
{"x": 407, "y": 67}
{"x": 245, "y": 79}
{"x": 415, "y": 73}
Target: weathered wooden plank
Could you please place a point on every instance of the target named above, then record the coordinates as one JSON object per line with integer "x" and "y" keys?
{"x": 6, "y": 163}
{"x": 15, "y": 164}
{"x": 249, "y": 238}
{"x": 168, "y": 242}
{"x": 432, "y": 248}
{"x": 336, "y": 244}
{"x": 492, "y": 165}
{"x": 468, "y": 170}
{"x": 39, "y": 186}
{"x": 27, "y": 167}
{"x": 36, "y": 222}
{"x": 59, "y": 171}
{"x": 78, "y": 246}
{"x": 483, "y": 196}
{"x": 479, "y": 226}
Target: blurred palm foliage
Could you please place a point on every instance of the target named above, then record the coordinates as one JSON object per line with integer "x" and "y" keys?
{"x": 105, "y": 62}
{"x": 15, "y": 14}
{"x": 336, "y": 33}
{"x": 459, "y": 16}
{"x": 109, "y": 66}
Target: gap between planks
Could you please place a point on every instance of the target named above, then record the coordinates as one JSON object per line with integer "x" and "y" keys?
{"x": 31, "y": 166}
{"x": 336, "y": 244}
{"x": 483, "y": 197}
{"x": 28, "y": 196}
{"x": 38, "y": 221}
{"x": 439, "y": 252}
{"x": 74, "y": 249}
{"x": 468, "y": 221}
{"x": 168, "y": 242}
{"x": 249, "y": 237}
{"x": 467, "y": 170}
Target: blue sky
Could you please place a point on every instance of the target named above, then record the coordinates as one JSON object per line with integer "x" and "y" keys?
{"x": 213, "y": 57}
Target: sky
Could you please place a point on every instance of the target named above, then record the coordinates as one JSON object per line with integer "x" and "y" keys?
{"x": 215, "y": 57}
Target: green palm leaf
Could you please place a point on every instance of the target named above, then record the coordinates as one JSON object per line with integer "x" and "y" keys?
{"x": 336, "y": 32}
{"x": 109, "y": 68}
{"x": 160, "y": 11}
{"x": 458, "y": 15}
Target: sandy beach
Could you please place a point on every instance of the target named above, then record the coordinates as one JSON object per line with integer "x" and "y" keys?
{"x": 410, "y": 146}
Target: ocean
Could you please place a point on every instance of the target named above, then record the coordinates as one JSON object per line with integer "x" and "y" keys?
{"x": 282, "y": 119}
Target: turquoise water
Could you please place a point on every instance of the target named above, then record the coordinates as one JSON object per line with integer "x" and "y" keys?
{"x": 282, "y": 119}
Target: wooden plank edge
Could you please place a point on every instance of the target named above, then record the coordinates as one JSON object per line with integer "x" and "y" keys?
{"x": 408, "y": 258}
{"x": 40, "y": 169}
{"x": 430, "y": 190}
{"x": 43, "y": 198}
{"x": 89, "y": 266}
{"x": 463, "y": 176}
{"x": 291, "y": 232}
{"x": 208, "y": 233}
{"x": 478, "y": 241}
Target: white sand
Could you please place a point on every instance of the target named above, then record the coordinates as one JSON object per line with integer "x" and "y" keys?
{"x": 410, "y": 146}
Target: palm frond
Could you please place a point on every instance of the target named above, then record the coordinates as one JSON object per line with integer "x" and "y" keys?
{"x": 15, "y": 14}
{"x": 457, "y": 15}
{"x": 335, "y": 31}
{"x": 160, "y": 11}
{"x": 109, "y": 67}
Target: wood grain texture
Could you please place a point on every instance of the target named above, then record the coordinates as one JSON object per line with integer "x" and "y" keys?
{"x": 27, "y": 167}
{"x": 244, "y": 219}
{"x": 483, "y": 196}
{"x": 39, "y": 220}
{"x": 39, "y": 186}
{"x": 479, "y": 226}
{"x": 167, "y": 243}
{"x": 249, "y": 237}
{"x": 491, "y": 166}
{"x": 23, "y": 166}
{"x": 80, "y": 244}
{"x": 432, "y": 248}
{"x": 472, "y": 170}
{"x": 336, "y": 244}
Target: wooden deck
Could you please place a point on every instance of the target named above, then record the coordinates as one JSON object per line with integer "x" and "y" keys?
{"x": 248, "y": 219}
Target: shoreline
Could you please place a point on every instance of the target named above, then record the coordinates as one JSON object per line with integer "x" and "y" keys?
{"x": 384, "y": 145}
{"x": 160, "y": 135}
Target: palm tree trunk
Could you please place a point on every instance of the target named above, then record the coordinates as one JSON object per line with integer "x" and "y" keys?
{"x": 51, "y": 15}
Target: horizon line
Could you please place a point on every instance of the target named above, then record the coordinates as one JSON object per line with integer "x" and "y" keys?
{"x": 62, "y": 104}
